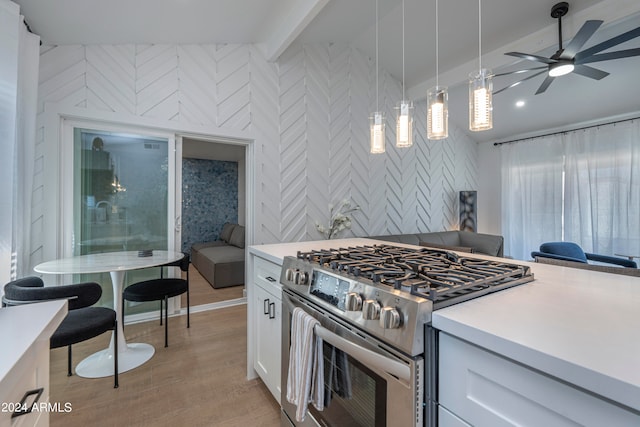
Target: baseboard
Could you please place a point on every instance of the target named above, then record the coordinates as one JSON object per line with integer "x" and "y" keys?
{"x": 153, "y": 315}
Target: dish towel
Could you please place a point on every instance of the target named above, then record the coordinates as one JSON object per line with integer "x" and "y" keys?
{"x": 305, "y": 379}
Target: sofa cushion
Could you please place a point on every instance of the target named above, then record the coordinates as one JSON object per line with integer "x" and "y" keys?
{"x": 444, "y": 238}
{"x": 221, "y": 254}
{"x": 447, "y": 247}
{"x": 200, "y": 246}
{"x": 488, "y": 244}
{"x": 237, "y": 237}
{"x": 227, "y": 229}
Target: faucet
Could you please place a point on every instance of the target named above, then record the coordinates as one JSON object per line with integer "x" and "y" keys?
{"x": 106, "y": 202}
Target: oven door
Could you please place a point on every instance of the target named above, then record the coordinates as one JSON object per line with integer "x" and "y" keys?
{"x": 366, "y": 382}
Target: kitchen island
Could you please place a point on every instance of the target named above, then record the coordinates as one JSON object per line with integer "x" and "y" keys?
{"x": 568, "y": 341}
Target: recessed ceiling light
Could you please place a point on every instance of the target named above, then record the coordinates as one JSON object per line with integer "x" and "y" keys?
{"x": 520, "y": 103}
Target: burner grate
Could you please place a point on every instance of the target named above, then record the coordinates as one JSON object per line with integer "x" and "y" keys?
{"x": 440, "y": 276}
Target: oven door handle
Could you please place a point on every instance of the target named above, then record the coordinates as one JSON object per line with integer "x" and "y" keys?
{"x": 365, "y": 356}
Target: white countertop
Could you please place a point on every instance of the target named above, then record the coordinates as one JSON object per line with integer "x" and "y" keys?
{"x": 580, "y": 326}
{"x": 577, "y": 325}
{"x": 276, "y": 252}
{"x": 21, "y": 326}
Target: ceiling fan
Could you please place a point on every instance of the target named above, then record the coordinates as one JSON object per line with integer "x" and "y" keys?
{"x": 571, "y": 58}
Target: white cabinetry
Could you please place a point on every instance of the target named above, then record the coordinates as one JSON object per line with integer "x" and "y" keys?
{"x": 267, "y": 314}
{"x": 485, "y": 389}
{"x": 24, "y": 361}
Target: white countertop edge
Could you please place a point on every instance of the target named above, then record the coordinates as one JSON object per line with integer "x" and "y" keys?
{"x": 592, "y": 382}
{"x": 21, "y": 326}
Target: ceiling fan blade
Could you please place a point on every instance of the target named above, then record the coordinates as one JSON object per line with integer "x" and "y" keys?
{"x": 592, "y": 73}
{"x": 545, "y": 84}
{"x": 520, "y": 81}
{"x": 584, "y": 34}
{"x": 627, "y": 53}
{"x": 632, "y": 34}
{"x": 520, "y": 71}
{"x": 530, "y": 57}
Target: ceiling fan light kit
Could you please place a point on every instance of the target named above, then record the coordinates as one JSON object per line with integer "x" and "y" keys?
{"x": 571, "y": 59}
{"x": 560, "y": 69}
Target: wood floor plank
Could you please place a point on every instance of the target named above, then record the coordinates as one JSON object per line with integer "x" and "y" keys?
{"x": 199, "y": 380}
{"x": 201, "y": 292}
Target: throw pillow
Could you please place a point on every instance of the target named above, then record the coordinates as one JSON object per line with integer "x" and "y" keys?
{"x": 237, "y": 237}
{"x": 227, "y": 229}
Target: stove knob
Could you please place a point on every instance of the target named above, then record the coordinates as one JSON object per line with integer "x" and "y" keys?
{"x": 353, "y": 302}
{"x": 296, "y": 277}
{"x": 289, "y": 274}
{"x": 370, "y": 309}
{"x": 304, "y": 278}
{"x": 389, "y": 318}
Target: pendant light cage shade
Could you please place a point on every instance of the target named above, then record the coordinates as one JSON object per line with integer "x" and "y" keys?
{"x": 481, "y": 100}
{"x": 404, "y": 124}
{"x": 378, "y": 139}
{"x": 437, "y": 113}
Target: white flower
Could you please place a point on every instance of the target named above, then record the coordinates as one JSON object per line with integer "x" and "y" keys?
{"x": 339, "y": 219}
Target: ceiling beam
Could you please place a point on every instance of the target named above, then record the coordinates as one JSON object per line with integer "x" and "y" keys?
{"x": 608, "y": 11}
{"x": 288, "y": 27}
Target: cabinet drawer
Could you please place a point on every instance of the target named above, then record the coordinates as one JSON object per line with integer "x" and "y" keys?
{"x": 486, "y": 389}
{"x": 266, "y": 274}
{"x": 31, "y": 373}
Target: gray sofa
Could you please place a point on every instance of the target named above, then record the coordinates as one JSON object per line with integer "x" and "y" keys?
{"x": 462, "y": 241}
{"x": 222, "y": 262}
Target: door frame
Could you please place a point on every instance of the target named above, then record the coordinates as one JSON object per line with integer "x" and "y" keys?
{"x": 67, "y": 190}
{"x": 52, "y": 160}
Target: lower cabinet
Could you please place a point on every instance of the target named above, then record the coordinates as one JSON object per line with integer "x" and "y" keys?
{"x": 27, "y": 387}
{"x": 24, "y": 363}
{"x": 267, "y": 306}
{"x": 480, "y": 388}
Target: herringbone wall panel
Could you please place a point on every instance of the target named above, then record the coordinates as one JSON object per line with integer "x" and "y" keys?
{"x": 309, "y": 113}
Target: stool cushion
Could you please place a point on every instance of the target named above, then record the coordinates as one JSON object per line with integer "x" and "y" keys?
{"x": 82, "y": 324}
{"x": 155, "y": 289}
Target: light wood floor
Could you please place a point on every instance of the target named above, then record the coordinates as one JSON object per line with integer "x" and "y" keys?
{"x": 201, "y": 291}
{"x": 199, "y": 380}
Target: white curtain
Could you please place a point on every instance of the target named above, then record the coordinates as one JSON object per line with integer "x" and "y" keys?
{"x": 532, "y": 194}
{"x": 19, "y": 51}
{"x": 581, "y": 186}
{"x": 602, "y": 195}
{"x": 28, "y": 68}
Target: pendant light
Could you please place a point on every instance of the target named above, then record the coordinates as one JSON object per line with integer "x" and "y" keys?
{"x": 376, "y": 121}
{"x": 437, "y": 103}
{"x": 480, "y": 89}
{"x": 404, "y": 118}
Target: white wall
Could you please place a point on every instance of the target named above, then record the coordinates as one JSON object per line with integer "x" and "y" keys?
{"x": 307, "y": 115}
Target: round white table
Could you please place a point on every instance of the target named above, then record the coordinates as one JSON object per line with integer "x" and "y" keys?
{"x": 131, "y": 355}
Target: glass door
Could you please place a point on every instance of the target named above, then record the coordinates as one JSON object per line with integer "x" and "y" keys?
{"x": 122, "y": 199}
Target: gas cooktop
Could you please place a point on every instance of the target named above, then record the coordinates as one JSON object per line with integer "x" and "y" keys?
{"x": 442, "y": 277}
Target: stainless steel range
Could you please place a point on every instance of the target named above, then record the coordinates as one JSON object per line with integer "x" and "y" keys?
{"x": 374, "y": 305}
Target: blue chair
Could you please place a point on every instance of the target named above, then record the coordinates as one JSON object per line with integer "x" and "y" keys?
{"x": 568, "y": 251}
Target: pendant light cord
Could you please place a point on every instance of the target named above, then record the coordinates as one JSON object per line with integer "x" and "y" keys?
{"x": 437, "y": 85}
{"x": 480, "y": 33}
{"x": 377, "y": 100}
{"x": 403, "y": 97}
